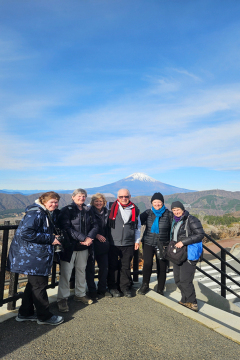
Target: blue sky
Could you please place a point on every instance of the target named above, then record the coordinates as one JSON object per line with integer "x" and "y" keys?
{"x": 93, "y": 91}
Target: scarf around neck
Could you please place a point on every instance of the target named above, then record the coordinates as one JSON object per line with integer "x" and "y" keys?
{"x": 177, "y": 219}
{"x": 158, "y": 214}
{"x": 114, "y": 210}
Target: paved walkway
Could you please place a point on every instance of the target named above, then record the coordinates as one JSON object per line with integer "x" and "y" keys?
{"x": 225, "y": 243}
{"x": 116, "y": 328}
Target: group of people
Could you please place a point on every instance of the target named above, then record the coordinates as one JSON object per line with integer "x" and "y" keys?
{"x": 107, "y": 236}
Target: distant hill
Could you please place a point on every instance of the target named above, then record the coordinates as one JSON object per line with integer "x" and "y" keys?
{"x": 30, "y": 192}
{"x": 211, "y": 202}
{"x": 137, "y": 183}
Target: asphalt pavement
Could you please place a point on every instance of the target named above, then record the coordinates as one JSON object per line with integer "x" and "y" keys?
{"x": 116, "y": 328}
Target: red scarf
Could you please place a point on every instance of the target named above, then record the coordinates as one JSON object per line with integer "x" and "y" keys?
{"x": 114, "y": 210}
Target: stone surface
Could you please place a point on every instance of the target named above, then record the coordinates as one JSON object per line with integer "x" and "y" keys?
{"x": 116, "y": 328}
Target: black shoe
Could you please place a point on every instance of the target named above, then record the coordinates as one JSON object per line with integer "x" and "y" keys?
{"x": 127, "y": 293}
{"x": 143, "y": 289}
{"x": 160, "y": 292}
{"x": 100, "y": 294}
{"x": 93, "y": 295}
{"x": 114, "y": 292}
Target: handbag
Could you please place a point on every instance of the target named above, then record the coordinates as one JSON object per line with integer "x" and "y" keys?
{"x": 175, "y": 255}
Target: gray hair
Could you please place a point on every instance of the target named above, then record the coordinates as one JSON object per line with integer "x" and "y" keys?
{"x": 123, "y": 189}
{"x": 79, "y": 191}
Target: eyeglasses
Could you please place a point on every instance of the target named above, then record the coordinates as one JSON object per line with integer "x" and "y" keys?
{"x": 126, "y": 197}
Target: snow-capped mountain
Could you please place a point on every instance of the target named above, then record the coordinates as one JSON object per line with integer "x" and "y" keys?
{"x": 138, "y": 184}
{"x": 140, "y": 177}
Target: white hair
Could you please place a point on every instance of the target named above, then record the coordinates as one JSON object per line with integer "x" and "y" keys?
{"x": 123, "y": 189}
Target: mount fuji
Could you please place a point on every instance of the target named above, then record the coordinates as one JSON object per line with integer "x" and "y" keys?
{"x": 138, "y": 184}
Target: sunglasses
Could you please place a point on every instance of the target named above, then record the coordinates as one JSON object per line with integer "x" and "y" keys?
{"x": 126, "y": 197}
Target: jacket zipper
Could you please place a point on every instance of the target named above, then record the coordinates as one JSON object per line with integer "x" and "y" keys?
{"x": 122, "y": 234}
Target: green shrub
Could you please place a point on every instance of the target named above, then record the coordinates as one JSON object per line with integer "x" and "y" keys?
{"x": 220, "y": 220}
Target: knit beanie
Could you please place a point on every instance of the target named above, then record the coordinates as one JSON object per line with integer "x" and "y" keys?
{"x": 177, "y": 204}
{"x": 157, "y": 196}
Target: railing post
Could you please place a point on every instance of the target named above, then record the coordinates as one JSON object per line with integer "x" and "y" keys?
{"x": 13, "y": 284}
{"x": 223, "y": 275}
{"x": 135, "y": 265}
{"x": 3, "y": 261}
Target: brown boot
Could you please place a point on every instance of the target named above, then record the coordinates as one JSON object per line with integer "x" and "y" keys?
{"x": 191, "y": 306}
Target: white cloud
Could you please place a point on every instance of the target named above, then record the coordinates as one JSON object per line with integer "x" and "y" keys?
{"x": 128, "y": 133}
{"x": 187, "y": 73}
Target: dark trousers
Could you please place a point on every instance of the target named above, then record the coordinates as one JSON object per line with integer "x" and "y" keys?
{"x": 119, "y": 273}
{"x": 183, "y": 276}
{"x": 102, "y": 261}
{"x": 148, "y": 254}
{"x": 35, "y": 294}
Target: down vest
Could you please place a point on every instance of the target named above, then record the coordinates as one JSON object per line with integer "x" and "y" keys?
{"x": 165, "y": 221}
{"x": 195, "y": 230}
{"x": 123, "y": 234}
{"x": 31, "y": 250}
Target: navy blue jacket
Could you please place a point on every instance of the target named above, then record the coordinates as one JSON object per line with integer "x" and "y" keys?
{"x": 31, "y": 250}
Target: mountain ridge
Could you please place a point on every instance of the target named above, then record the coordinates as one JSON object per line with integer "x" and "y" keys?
{"x": 210, "y": 202}
{"x": 137, "y": 183}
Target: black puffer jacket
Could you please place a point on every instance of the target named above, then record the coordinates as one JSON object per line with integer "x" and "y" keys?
{"x": 101, "y": 248}
{"x": 79, "y": 225}
{"x": 194, "y": 229}
{"x": 165, "y": 221}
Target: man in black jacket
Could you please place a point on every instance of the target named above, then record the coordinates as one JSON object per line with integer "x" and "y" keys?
{"x": 79, "y": 222}
{"x": 125, "y": 237}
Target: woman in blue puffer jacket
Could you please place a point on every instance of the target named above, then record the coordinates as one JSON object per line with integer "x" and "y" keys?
{"x": 31, "y": 253}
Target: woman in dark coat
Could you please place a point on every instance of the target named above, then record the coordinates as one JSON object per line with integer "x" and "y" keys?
{"x": 156, "y": 236}
{"x": 101, "y": 248}
{"x": 31, "y": 253}
{"x": 186, "y": 230}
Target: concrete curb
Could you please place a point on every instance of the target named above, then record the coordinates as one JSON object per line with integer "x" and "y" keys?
{"x": 227, "y": 324}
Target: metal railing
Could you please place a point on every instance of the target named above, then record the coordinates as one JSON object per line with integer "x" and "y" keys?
{"x": 14, "y": 295}
{"x": 222, "y": 270}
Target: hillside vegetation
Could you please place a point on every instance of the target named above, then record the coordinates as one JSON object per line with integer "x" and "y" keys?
{"x": 211, "y": 202}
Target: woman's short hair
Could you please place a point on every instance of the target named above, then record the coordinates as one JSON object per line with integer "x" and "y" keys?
{"x": 79, "y": 191}
{"x": 98, "y": 196}
{"x": 47, "y": 196}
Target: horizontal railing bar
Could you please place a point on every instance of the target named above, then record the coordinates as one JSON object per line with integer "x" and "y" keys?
{"x": 222, "y": 248}
{"x": 8, "y": 227}
{"x": 218, "y": 282}
{"x": 229, "y": 265}
{"x": 221, "y": 260}
{"x": 220, "y": 271}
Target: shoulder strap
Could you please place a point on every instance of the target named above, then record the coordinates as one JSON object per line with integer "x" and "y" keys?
{"x": 186, "y": 227}
{"x": 52, "y": 223}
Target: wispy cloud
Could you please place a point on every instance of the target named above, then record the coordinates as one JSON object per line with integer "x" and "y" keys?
{"x": 187, "y": 73}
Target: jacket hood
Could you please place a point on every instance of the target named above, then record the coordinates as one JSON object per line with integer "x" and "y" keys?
{"x": 185, "y": 215}
{"x": 36, "y": 206}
